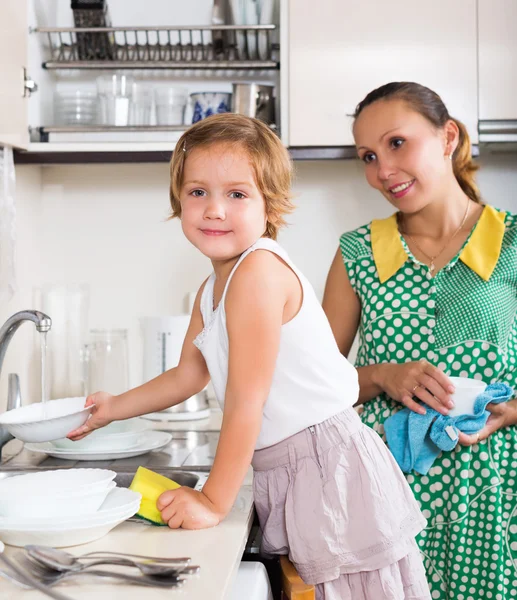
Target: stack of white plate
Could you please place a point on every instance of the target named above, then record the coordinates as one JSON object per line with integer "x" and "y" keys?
{"x": 63, "y": 507}
{"x": 120, "y": 439}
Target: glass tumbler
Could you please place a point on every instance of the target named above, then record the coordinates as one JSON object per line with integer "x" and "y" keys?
{"x": 170, "y": 105}
{"x": 115, "y": 93}
{"x": 141, "y": 104}
{"x": 107, "y": 361}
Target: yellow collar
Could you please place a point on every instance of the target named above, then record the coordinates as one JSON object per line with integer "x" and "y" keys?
{"x": 480, "y": 254}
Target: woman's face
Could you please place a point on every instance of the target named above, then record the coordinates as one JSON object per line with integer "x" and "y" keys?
{"x": 405, "y": 157}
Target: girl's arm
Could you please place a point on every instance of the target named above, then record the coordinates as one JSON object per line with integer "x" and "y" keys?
{"x": 255, "y": 308}
{"x": 169, "y": 388}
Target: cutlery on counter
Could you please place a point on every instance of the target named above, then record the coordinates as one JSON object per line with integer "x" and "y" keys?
{"x": 59, "y": 560}
{"x": 50, "y": 577}
{"x": 18, "y": 576}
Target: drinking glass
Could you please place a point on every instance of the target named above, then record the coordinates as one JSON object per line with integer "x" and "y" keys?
{"x": 107, "y": 361}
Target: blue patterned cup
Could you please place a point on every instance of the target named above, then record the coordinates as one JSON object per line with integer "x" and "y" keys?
{"x": 209, "y": 103}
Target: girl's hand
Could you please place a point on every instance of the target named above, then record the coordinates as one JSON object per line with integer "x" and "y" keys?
{"x": 413, "y": 381}
{"x": 188, "y": 509}
{"x": 501, "y": 415}
{"x": 100, "y": 415}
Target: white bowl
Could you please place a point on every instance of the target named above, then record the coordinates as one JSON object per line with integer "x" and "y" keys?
{"x": 118, "y": 502}
{"x": 84, "y": 530}
{"x": 46, "y": 422}
{"x": 63, "y": 479}
{"x": 107, "y": 512}
{"x": 108, "y": 438}
{"x": 55, "y": 493}
{"x": 56, "y": 506}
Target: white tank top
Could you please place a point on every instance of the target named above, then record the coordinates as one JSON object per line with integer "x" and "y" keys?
{"x": 312, "y": 380}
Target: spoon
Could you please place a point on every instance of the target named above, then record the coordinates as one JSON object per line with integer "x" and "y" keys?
{"x": 59, "y": 560}
{"x": 108, "y": 554}
{"x": 26, "y": 579}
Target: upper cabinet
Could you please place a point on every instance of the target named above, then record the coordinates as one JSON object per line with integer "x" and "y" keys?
{"x": 13, "y": 62}
{"x": 339, "y": 50}
{"x": 497, "y": 70}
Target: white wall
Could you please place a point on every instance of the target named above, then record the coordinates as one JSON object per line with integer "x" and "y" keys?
{"x": 105, "y": 225}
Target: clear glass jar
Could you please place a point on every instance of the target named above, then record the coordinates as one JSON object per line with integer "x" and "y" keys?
{"x": 107, "y": 361}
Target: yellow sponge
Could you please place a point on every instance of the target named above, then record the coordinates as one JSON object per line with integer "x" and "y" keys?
{"x": 151, "y": 485}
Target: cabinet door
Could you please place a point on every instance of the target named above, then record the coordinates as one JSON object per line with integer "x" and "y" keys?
{"x": 497, "y": 59}
{"x": 13, "y": 58}
{"x": 339, "y": 50}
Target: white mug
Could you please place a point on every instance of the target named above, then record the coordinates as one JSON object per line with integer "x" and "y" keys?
{"x": 465, "y": 394}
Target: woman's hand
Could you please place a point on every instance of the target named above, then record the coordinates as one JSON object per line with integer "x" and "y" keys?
{"x": 100, "y": 415}
{"x": 501, "y": 415}
{"x": 409, "y": 382}
{"x": 188, "y": 509}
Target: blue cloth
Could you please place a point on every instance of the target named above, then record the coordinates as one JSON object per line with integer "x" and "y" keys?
{"x": 416, "y": 440}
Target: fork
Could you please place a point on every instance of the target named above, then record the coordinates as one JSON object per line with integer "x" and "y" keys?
{"x": 26, "y": 581}
{"x": 50, "y": 577}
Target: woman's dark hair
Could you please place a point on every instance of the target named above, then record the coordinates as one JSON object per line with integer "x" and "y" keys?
{"x": 430, "y": 106}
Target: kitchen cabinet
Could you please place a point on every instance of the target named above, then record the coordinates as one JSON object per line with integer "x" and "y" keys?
{"x": 13, "y": 62}
{"x": 339, "y": 50}
{"x": 497, "y": 48}
{"x": 174, "y": 44}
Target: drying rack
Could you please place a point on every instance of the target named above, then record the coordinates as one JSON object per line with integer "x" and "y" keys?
{"x": 186, "y": 47}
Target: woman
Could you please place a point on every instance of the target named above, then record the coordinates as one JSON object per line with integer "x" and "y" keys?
{"x": 433, "y": 292}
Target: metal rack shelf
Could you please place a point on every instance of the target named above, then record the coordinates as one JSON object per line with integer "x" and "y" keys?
{"x": 202, "y": 47}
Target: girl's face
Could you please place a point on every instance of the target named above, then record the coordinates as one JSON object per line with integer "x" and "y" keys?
{"x": 222, "y": 211}
{"x": 405, "y": 156}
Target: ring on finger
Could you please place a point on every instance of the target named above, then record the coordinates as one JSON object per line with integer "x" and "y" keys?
{"x": 415, "y": 388}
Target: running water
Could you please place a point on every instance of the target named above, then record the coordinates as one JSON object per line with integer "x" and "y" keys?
{"x": 44, "y": 393}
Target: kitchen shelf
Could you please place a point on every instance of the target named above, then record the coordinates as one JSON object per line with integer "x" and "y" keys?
{"x": 187, "y": 47}
{"x": 129, "y": 134}
{"x": 154, "y": 152}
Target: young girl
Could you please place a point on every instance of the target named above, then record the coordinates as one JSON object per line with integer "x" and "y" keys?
{"x": 326, "y": 489}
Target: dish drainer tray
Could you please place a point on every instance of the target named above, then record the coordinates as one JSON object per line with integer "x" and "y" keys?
{"x": 185, "y": 47}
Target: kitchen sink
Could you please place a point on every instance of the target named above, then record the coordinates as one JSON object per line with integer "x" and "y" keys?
{"x": 181, "y": 477}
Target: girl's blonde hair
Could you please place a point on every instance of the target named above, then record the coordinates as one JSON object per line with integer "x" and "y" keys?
{"x": 430, "y": 105}
{"x": 269, "y": 159}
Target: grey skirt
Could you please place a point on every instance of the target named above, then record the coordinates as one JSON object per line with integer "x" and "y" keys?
{"x": 333, "y": 498}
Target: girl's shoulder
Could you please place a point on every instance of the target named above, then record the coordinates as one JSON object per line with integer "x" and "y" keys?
{"x": 356, "y": 243}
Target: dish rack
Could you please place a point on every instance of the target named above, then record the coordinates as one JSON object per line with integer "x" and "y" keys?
{"x": 200, "y": 47}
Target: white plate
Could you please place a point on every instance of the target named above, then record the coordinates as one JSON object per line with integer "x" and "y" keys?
{"x": 108, "y": 438}
{"x": 165, "y": 415}
{"x": 59, "y": 538}
{"x": 118, "y": 503}
{"x": 151, "y": 440}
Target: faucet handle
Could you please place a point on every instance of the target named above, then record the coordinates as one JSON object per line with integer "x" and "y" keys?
{"x": 14, "y": 397}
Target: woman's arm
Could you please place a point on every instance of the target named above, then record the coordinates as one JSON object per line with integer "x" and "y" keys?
{"x": 402, "y": 382}
{"x": 343, "y": 310}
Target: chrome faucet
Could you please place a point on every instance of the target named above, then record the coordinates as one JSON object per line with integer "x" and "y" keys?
{"x": 43, "y": 324}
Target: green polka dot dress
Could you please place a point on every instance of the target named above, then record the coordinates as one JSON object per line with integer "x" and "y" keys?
{"x": 464, "y": 321}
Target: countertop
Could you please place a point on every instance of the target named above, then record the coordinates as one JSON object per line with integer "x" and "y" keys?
{"x": 217, "y": 551}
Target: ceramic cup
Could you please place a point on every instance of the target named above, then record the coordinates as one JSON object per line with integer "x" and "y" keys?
{"x": 205, "y": 104}
{"x": 465, "y": 395}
